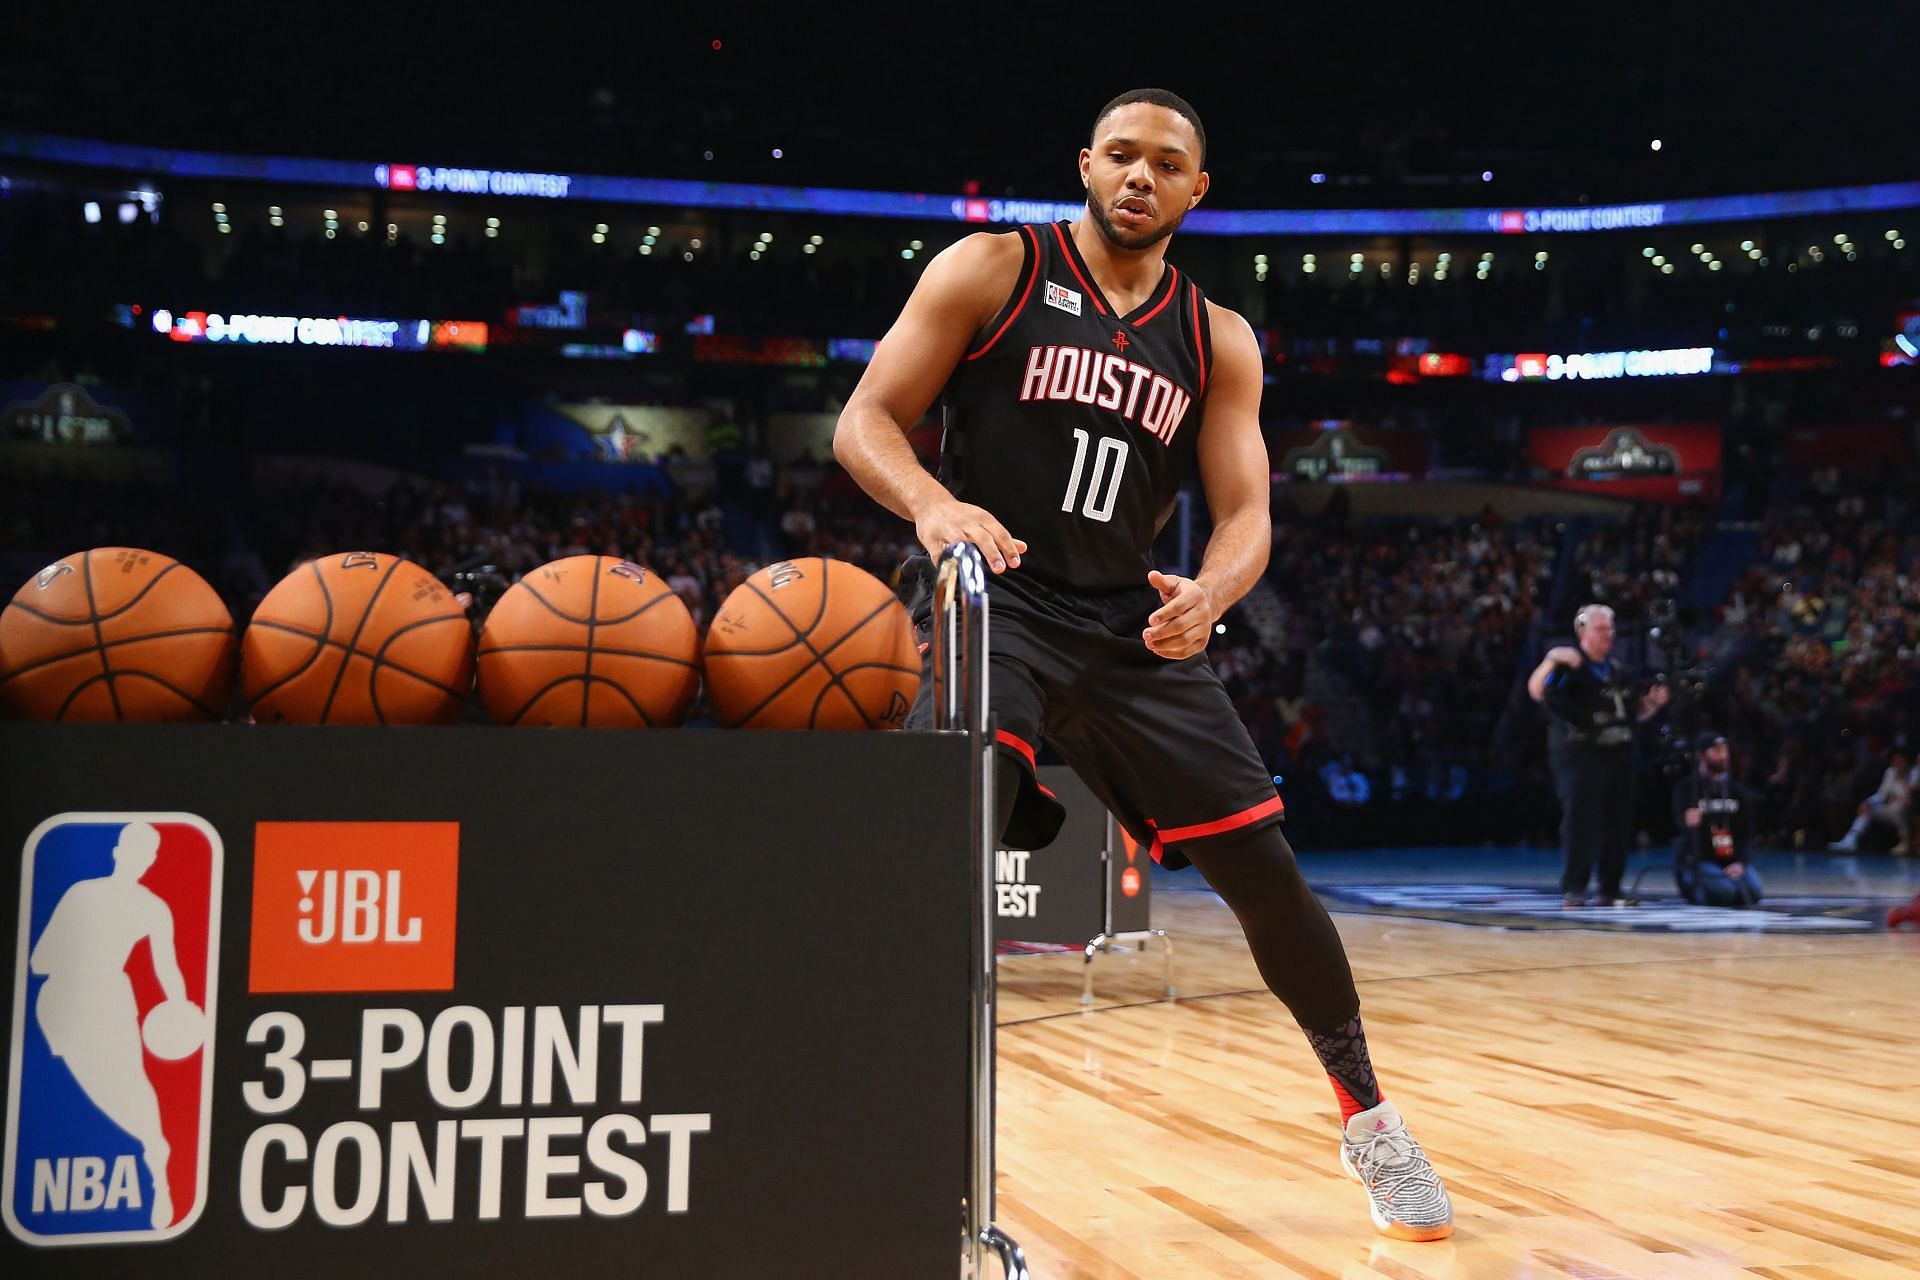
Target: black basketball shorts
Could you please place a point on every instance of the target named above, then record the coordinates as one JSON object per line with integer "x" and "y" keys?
{"x": 1158, "y": 741}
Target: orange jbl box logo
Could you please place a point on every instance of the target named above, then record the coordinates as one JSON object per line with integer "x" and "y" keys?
{"x": 354, "y": 906}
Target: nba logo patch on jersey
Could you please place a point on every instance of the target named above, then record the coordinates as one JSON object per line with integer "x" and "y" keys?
{"x": 1063, "y": 299}
{"x": 111, "y": 1086}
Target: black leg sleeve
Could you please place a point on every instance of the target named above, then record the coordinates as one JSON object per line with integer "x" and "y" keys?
{"x": 1294, "y": 943}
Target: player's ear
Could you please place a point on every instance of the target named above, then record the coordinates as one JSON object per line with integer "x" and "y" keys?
{"x": 1199, "y": 189}
{"x": 1086, "y": 166}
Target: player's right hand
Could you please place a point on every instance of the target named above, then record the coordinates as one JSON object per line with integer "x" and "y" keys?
{"x": 950, "y": 521}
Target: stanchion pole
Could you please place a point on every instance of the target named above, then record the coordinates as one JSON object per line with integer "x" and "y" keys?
{"x": 960, "y": 704}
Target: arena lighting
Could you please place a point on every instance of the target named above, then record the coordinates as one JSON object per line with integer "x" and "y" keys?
{"x": 170, "y": 162}
{"x": 90, "y": 211}
{"x": 856, "y": 350}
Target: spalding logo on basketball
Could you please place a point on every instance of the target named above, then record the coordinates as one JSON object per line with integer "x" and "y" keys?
{"x": 812, "y": 644}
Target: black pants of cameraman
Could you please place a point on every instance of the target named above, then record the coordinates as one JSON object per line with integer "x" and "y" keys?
{"x": 1596, "y": 815}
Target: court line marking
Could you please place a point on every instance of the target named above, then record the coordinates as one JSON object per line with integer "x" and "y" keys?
{"x": 1416, "y": 977}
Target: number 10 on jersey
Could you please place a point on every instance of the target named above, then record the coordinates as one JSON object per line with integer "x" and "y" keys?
{"x": 1109, "y": 460}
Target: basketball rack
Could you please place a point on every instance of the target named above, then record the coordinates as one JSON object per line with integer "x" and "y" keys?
{"x": 960, "y": 705}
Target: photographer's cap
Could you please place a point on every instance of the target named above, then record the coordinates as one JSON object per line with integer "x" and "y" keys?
{"x": 1708, "y": 738}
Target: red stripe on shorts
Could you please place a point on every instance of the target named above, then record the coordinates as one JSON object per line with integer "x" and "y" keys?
{"x": 1232, "y": 822}
{"x": 1021, "y": 745}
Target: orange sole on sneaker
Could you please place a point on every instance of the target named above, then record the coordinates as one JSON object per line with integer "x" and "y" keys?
{"x": 1401, "y": 1231}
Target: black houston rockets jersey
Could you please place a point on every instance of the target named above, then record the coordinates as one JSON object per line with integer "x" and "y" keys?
{"x": 1075, "y": 426}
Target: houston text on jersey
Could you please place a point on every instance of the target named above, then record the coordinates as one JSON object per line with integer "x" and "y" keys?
{"x": 1107, "y": 381}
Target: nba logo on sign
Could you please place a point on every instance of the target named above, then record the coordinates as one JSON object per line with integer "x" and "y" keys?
{"x": 112, "y": 1050}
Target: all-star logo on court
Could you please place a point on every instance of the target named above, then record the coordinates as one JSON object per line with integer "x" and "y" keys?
{"x": 1063, "y": 299}
{"x": 110, "y": 1103}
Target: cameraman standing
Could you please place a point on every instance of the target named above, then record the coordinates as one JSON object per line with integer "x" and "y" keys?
{"x": 1714, "y": 815}
{"x": 1590, "y": 742}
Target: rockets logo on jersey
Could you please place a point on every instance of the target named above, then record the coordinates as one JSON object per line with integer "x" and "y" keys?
{"x": 108, "y": 1110}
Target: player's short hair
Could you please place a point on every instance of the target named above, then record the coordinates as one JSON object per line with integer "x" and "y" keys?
{"x": 1588, "y": 612}
{"x": 1159, "y": 98}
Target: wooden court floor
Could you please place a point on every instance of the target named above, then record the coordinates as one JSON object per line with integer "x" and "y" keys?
{"x": 1600, "y": 1106}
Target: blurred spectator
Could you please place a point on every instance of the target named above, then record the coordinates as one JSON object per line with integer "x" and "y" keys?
{"x": 1713, "y": 865}
{"x": 1891, "y": 803}
{"x": 1345, "y": 784}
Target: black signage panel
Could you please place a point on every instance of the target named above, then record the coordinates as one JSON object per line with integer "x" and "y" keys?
{"x": 483, "y": 1001}
{"x": 1059, "y": 894}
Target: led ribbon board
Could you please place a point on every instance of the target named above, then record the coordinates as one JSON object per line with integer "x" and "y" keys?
{"x": 172, "y": 162}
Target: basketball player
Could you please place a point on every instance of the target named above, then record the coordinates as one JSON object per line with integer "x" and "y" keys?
{"x": 1084, "y": 378}
{"x": 86, "y": 1009}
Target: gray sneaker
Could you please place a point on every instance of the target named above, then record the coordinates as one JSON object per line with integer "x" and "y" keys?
{"x": 1403, "y": 1191}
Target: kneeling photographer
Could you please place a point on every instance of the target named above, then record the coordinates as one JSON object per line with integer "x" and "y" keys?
{"x": 1714, "y": 817}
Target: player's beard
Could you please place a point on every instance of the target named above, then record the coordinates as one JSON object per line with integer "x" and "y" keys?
{"x": 1122, "y": 238}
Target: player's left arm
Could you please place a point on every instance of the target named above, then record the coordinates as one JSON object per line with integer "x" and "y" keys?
{"x": 166, "y": 962}
{"x": 1234, "y": 473}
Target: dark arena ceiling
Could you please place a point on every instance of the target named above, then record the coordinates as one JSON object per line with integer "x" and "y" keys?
{"x": 1387, "y": 106}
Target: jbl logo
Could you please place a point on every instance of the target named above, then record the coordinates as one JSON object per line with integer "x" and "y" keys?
{"x": 354, "y": 906}
{"x": 348, "y": 905}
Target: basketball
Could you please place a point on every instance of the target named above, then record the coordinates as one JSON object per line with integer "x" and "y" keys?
{"x": 589, "y": 641}
{"x": 358, "y": 637}
{"x": 812, "y": 644}
{"x": 116, "y": 633}
{"x": 174, "y": 1029}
